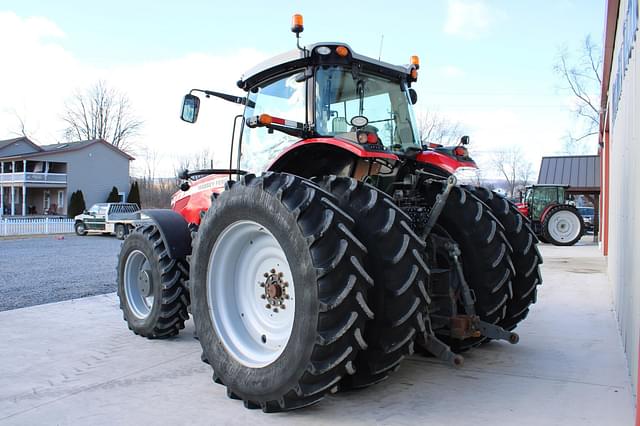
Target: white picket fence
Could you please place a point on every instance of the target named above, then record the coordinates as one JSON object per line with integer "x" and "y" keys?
{"x": 28, "y": 226}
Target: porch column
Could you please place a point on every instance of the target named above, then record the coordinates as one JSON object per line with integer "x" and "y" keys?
{"x": 24, "y": 199}
{"x": 13, "y": 200}
{"x": 24, "y": 170}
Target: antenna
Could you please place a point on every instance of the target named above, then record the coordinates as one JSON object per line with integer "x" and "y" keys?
{"x": 380, "y": 51}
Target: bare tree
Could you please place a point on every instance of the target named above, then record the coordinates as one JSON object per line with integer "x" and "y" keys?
{"x": 514, "y": 167}
{"x": 101, "y": 113}
{"x": 581, "y": 75}
{"x": 22, "y": 128}
{"x": 203, "y": 159}
{"x": 155, "y": 192}
{"x": 433, "y": 128}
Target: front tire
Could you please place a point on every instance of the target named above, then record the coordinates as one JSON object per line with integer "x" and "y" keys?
{"x": 80, "y": 228}
{"x": 152, "y": 296}
{"x": 279, "y": 292}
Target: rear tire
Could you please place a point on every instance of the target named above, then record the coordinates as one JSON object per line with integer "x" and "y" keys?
{"x": 526, "y": 257}
{"x": 121, "y": 231}
{"x": 486, "y": 255}
{"x": 563, "y": 225}
{"x": 309, "y": 240}
{"x": 151, "y": 289}
{"x": 401, "y": 277}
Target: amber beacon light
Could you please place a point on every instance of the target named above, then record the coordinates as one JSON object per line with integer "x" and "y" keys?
{"x": 297, "y": 24}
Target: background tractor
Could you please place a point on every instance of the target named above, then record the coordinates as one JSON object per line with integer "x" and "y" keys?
{"x": 334, "y": 244}
{"x": 554, "y": 219}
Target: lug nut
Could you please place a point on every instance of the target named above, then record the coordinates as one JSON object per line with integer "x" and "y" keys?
{"x": 273, "y": 271}
{"x": 275, "y": 310}
{"x": 268, "y": 306}
{"x": 261, "y": 284}
{"x": 282, "y": 306}
{"x": 280, "y": 274}
{"x": 286, "y": 296}
{"x": 263, "y": 296}
{"x": 266, "y": 275}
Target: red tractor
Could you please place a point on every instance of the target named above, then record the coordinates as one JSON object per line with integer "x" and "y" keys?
{"x": 334, "y": 245}
{"x": 554, "y": 219}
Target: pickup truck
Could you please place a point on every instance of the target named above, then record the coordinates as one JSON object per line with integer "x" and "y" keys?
{"x": 110, "y": 218}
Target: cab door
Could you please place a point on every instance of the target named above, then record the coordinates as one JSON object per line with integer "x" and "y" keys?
{"x": 97, "y": 218}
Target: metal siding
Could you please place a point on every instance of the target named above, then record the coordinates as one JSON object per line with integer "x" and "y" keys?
{"x": 544, "y": 168}
{"x": 574, "y": 170}
{"x": 565, "y": 176}
{"x": 580, "y": 171}
{"x": 624, "y": 202}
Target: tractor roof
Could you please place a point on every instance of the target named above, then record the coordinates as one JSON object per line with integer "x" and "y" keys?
{"x": 297, "y": 58}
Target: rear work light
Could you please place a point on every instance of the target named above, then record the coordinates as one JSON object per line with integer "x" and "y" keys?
{"x": 460, "y": 151}
{"x": 342, "y": 51}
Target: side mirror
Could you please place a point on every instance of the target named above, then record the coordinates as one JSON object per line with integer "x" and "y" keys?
{"x": 85, "y": 212}
{"x": 413, "y": 95}
{"x": 190, "y": 107}
{"x": 464, "y": 140}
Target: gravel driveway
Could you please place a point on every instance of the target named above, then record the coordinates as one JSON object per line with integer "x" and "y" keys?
{"x": 37, "y": 270}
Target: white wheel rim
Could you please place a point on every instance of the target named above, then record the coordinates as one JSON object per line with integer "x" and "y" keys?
{"x": 246, "y": 294}
{"x": 564, "y": 226}
{"x": 138, "y": 284}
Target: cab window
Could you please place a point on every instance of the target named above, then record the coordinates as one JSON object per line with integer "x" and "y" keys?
{"x": 284, "y": 98}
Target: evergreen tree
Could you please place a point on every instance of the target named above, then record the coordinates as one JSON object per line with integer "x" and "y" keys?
{"x": 113, "y": 196}
{"x": 82, "y": 206}
{"x": 134, "y": 194}
{"x": 76, "y": 204}
{"x": 73, "y": 205}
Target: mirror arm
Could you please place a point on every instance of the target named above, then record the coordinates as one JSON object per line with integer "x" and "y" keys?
{"x": 230, "y": 98}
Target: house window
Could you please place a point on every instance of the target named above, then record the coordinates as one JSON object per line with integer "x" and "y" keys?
{"x": 46, "y": 202}
{"x": 60, "y": 199}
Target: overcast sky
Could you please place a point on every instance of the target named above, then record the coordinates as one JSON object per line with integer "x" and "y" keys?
{"x": 487, "y": 64}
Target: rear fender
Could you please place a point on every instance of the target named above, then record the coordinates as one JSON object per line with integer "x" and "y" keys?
{"x": 444, "y": 162}
{"x": 326, "y": 156}
{"x": 546, "y": 211}
{"x": 174, "y": 231}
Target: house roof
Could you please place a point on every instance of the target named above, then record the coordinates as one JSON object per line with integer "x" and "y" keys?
{"x": 580, "y": 172}
{"x": 5, "y": 143}
{"x": 44, "y": 150}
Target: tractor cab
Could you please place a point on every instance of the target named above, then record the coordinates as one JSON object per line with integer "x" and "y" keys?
{"x": 538, "y": 197}
{"x": 324, "y": 108}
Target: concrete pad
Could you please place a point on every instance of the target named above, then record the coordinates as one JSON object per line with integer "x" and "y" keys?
{"x": 76, "y": 362}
